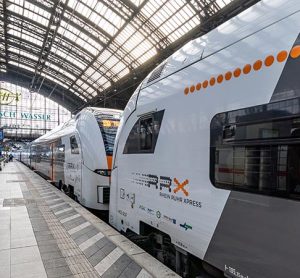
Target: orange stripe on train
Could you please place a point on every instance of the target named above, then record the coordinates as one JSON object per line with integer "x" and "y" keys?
{"x": 109, "y": 162}
{"x": 236, "y": 73}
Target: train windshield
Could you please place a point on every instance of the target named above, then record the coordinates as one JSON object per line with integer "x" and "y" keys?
{"x": 109, "y": 127}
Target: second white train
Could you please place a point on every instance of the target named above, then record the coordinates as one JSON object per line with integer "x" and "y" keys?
{"x": 77, "y": 155}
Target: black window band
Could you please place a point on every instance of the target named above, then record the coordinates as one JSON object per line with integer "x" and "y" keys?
{"x": 143, "y": 136}
{"x": 257, "y": 149}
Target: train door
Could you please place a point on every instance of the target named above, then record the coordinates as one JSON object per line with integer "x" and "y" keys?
{"x": 74, "y": 166}
{"x": 33, "y": 156}
{"x": 294, "y": 169}
{"x": 58, "y": 160}
{"x": 52, "y": 162}
{"x": 43, "y": 159}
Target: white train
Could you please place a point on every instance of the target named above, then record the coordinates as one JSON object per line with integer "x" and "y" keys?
{"x": 77, "y": 156}
{"x": 207, "y": 155}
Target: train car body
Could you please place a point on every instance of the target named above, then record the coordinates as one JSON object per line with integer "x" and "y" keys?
{"x": 77, "y": 155}
{"x": 23, "y": 154}
{"x": 207, "y": 152}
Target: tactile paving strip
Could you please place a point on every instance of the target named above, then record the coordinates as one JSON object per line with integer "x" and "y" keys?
{"x": 61, "y": 255}
{"x": 70, "y": 245}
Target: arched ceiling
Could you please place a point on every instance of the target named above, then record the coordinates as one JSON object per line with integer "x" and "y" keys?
{"x": 83, "y": 52}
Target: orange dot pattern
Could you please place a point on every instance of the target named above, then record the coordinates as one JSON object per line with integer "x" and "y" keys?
{"x": 281, "y": 56}
{"x": 192, "y": 89}
{"x": 295, "y": 52}
{"x": 237, "y": 73}
{"x": 257, "y": 65}
{"x": 228, "y": 75}
{"x": 247, "y": 69}
{"x": 220, "y": 78}
{"x": 269, "y": 61}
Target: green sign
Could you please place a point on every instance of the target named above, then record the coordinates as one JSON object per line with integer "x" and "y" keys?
{"x": 24, "y": 116}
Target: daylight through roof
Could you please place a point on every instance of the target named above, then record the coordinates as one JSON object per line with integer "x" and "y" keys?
{"x": 80, "y": 51}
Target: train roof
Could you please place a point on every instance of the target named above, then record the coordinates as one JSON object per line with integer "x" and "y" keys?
{"x": 61, "y": 130}
{"x": 70, "y": 126}
{"x": 239, "y": 27}
{"x": 97, "y": 111}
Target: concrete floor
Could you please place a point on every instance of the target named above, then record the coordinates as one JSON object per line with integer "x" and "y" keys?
{"x": 43, "y": 233}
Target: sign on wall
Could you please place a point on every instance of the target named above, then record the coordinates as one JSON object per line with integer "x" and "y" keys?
{"x": 24, "y": 115}
{"x": 8, "y": 97}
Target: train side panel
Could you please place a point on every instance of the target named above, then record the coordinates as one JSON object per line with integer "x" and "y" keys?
{"x": 42, "y": 159}
{"x": 73, "y": 164}
{"x": 165, "y": 181}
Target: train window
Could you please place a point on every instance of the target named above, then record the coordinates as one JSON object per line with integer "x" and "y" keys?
{"x": 74, "y": 145}
{"x": 59, "y": 153}
{"x": 109, "y": 127}
{"x": 143, "y": 136}
{"x": 257, "y": 149}
{"x": 146, "y": 133}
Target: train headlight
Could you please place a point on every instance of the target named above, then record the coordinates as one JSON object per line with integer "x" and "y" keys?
{"x": 103, "y": 172}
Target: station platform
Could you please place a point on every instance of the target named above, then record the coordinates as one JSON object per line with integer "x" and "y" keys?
{"x": 44, "y": 233}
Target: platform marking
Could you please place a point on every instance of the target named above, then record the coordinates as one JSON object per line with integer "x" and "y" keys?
{"x": 53, "y": 200}
{"x": 143, "y": 274}
{"x": 49, "y": 195}
{"x": 89, "y": 242}
{"x": 45, "y": 192}
{"x": 69, "y": 218}
{"x": 109, "y": 260}
{"x": 57, "y": 205}
{"x": 62, "y": 211}
{"x": 79, "y": 227}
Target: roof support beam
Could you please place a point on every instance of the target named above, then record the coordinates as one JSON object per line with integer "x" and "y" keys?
{"x": 72, "y": 12}
{"x": 54, "y": 23}
{"x": 60, "y": 95}
{"x": 37, "y": 29}
{"x": 111, "y": 41}
{"x": 4, "y": 18}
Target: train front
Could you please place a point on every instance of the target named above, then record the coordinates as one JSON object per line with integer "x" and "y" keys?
{"x": 97, "y": 130}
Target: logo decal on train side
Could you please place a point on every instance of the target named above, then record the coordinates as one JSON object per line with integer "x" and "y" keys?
{"x": 182, "y": 245}
{"x": 142, "y": 208}
{"x": 180, "y": 186}
{"x": 122, "y": 193}
{"x": 150, "y": 211}
{"x": 186, "y": 226}
{"x": 169, "y": 219}
{"x": 267, "y": 62}
{"x": 122, "y": 212}
{"x": 180, "y": 189}
{"x": 146, "y": 210}
{"x": 234, "y": 272}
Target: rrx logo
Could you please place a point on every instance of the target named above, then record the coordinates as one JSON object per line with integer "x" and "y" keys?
{"x": 166, "y": 182}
